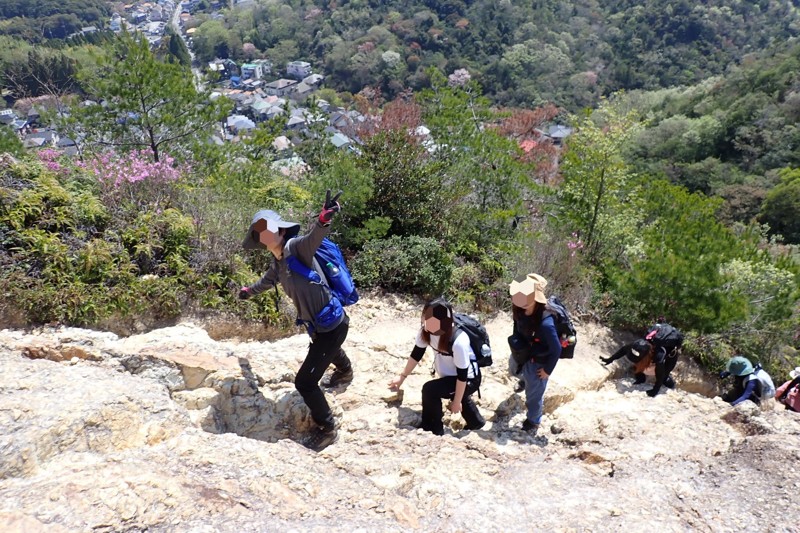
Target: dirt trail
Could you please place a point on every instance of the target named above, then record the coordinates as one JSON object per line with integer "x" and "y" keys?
{"x": 175, "y": 431}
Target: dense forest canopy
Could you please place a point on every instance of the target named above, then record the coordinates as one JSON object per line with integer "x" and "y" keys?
{"x": 37, "y": 20}
{"x": 729, "y": 136}
{"x": 522, "y": 53}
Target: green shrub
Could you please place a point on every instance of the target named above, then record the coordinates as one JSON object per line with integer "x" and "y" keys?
{"x": 407, "y": 264}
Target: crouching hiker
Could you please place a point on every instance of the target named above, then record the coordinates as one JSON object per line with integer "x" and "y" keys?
{"x": 535, "y": 341}
{"x": 640, "y": 353}
{"x": 750, "y": 383}
{"x": 322, "y": 314}
{"x": 661, "y": 347}
{"x": 455, "y": 364}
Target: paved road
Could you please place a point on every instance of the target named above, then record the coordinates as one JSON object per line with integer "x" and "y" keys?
{"x": 175, "y": 22}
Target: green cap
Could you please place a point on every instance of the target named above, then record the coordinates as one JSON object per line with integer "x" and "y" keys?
{"x": 740, "y": 366}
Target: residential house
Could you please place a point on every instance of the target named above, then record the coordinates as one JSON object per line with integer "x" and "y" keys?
{"x": 253, "y": 85}
{"x": 260, "y": 108}
{"x": 355, "y": 116}
{"x": 252, "y": 70}
{"x": 298, "y": 69}
{"x": 265, "y": 64}
{"x": 301, "y": 91}
{"x": 67, "y": 146}
{"x": 315, "y": 80}
{"x": 340, "y": 140}
{"x": 7, "y": 117}
{"x": 280, "y": 87}
{"x": 324, "y": 106}
{"x": 18, "y": 125}
{"x": 238, "y": 124}
{"x": 41, "y": 138}
{"x": 116, "y": 23}
{"x": 297, "y": 123}
{"x": 291, "y": 166}
{"x": 33, "y": 117}
{"x": 558, "y": 133}
{"x": 282, "y": 143}
{"x": 339, "y": 120}
{"x": 154, "y": 28}
{"x": 225, "y": 68}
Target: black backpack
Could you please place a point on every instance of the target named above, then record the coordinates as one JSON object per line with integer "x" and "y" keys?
{"x": 564, "y": 327}
{"x": 665, "y": 336}
{"x": 478, "y": 338}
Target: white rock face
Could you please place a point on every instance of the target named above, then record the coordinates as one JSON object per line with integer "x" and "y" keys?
{"x": 174, "y": 431}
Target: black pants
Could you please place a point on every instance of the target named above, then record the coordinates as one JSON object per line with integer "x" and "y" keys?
{"x": 664, "y": 368}
{"x": 445, "y": 388}
{"x": 325, "y": 349}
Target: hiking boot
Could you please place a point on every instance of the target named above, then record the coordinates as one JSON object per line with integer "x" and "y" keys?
{"x": 529, "y": 427}
{"x": 340, "y": 377}
{"x": 475, "y": 427}
{"x": 669, "y": 382}
{"x": 321, "y": 439}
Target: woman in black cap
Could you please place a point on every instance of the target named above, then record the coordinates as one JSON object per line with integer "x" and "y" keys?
{"x": 322, "y": 314}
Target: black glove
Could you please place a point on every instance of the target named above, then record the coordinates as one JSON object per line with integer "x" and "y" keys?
{"x": 244, "y": 293}
{"x": 329, "y": 208}
{"x": 606, "y": 360}
{"x": 652, "y": 392}
{"x": 640, "y": 378}
{"x": 724, "y": 374}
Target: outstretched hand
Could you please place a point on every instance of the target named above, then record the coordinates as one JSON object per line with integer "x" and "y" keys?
{"x": 396, "y": 383}
{"x": 606, "y": 361}
{"x": 330, "y": 207}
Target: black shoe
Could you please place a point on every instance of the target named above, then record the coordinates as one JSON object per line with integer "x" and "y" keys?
{"x": 321, "y": 439}
{"x": 475, "y": 427}
{"x": 340, "y": 377}
{"x": 530, "y": 427}
{"x": 520, "y": 386}
{"x": 640, "y": 378}
{"x": 669, "y": 382}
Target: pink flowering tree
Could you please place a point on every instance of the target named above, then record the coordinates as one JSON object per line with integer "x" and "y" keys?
{"x": 459, "y": 78}
{"x": 51, "y": 158}
{"x": 135, "y": 177}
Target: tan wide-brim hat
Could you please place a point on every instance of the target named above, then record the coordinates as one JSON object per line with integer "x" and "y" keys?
{"x": 530, "y": 285}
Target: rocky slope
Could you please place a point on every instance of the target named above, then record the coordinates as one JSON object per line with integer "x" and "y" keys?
{"x": 174, "y": 431}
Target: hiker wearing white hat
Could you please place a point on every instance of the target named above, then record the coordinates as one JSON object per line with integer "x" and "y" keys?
{"x": 322, "y": 313}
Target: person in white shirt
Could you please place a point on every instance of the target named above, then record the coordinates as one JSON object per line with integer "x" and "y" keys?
{"x": 458, "y": 374}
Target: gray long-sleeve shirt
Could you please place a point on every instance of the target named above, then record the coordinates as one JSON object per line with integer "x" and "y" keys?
{"x": 309, "y": 298}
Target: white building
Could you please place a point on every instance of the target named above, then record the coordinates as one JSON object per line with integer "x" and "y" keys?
{"x": 298, "y": 69}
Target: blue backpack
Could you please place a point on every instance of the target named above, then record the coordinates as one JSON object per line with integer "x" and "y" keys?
{"x": 337, "y": 278}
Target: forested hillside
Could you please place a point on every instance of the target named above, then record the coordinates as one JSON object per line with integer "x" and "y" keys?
{"x": 661, "y": 201}
{"x": 523, "y": 53}
{"x": 731, "y": 136}
{"x": 38, "y": 20}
